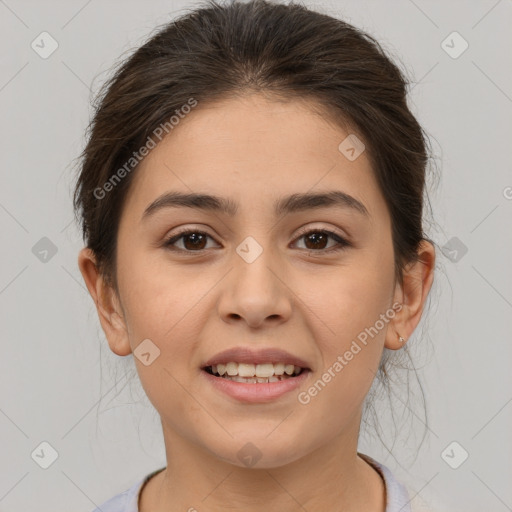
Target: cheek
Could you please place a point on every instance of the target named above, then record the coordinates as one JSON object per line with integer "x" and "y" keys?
{"x": 348, "y": 302}
{"x": 165, "y": 306}
{"x": 157, "y": 295}
{"x": 170, "y": 307}
{"x": 350, "y": 297}
{"x": 350, "y": 338}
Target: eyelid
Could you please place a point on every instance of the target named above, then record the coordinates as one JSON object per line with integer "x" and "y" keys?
{"x": 342, "y": 241}
{"x": 308, "y": 228}
{"x": 166, "y": 243}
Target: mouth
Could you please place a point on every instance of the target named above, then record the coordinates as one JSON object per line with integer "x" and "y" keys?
{"x": 250, "y": 373}
{"x": 254, "y": 375}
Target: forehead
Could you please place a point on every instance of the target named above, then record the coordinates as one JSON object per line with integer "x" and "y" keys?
{"x": 250, "y": 149}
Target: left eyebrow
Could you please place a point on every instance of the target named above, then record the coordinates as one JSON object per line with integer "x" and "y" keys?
{"x": 289, "y": 204}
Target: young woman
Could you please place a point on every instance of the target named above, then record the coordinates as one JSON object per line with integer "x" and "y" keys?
{"x": 251, "y": 198}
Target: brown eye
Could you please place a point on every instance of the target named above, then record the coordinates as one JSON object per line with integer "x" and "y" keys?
{"x": 316, "y": 240}
{"x": 193, "y": 241}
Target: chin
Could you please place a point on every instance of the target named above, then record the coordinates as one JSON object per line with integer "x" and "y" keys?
{"x": 257, "y": 451}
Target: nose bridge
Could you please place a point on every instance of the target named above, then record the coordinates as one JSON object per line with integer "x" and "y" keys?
{"x": 252, "y": 265}
{"x": 254, "y": 290}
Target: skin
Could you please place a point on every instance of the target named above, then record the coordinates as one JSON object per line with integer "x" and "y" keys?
{"x": 254, "y": 150}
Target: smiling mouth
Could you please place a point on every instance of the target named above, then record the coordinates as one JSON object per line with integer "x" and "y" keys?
{"x": 255, "y": 373}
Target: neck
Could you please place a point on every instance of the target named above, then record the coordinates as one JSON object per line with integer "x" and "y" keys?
{"x": 329, "y": 478}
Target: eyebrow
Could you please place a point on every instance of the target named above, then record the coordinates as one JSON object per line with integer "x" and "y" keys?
{"x": 290, "y": 204}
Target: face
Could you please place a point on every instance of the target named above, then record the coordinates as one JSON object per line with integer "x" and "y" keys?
{"x": 307, "y": 279}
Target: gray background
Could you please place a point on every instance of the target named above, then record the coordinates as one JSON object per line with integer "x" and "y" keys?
{"x": 60, "y": 383}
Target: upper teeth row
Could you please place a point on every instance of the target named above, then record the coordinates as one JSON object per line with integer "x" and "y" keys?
{"x": 255, "y": 370}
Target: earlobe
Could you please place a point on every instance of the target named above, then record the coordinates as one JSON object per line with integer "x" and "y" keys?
{"x": 396, "y": 335}
{"x": 107, "y": 304}
{"x": 418, "y": 277}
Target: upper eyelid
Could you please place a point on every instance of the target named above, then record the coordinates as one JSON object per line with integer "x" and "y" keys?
{"x": 302, "y": 232}
{"x": 306, "y": 229}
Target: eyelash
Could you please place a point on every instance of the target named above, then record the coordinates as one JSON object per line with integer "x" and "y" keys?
{"x": 342, "y": 243}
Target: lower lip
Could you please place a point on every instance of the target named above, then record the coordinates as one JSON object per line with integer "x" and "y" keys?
{"x": 256, "y": 392}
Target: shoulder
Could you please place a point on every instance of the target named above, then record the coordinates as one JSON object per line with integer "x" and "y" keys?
{"x": 123, "y": 502}
{"x": 398, "y": 498}
{"x": 127, "y": 501}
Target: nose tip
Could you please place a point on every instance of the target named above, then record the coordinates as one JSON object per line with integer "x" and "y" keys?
{"x": 254, "y": 293}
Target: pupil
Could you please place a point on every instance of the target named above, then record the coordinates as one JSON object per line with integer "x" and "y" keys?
{"x": 196, "y": 240}
{"x": 316, "y": 237}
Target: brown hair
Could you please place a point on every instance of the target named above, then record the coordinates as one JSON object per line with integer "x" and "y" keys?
{"x": 287, "y": 51}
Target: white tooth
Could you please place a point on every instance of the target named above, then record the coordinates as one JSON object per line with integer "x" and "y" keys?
{"x": 273, "y": 379}
{"x": 246, "y": 370}
{"x": 278, "y": 369}
{"x": 288, "y": 369}
{"x": 238, "y": 379}
{"x": 261, "y": 379}
{"x": 251, "y": 380}
{"x": 232, "y": 369}
{"x": 264, "y": 370}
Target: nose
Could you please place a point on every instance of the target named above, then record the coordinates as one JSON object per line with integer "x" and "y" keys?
{"x": 256, "y": 292}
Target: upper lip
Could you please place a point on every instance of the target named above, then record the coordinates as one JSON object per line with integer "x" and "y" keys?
{"x": 256, "y": 356}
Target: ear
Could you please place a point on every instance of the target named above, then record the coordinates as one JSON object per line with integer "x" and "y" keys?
{"x": 412, "y": 295}
{"x": 107, "y": 304}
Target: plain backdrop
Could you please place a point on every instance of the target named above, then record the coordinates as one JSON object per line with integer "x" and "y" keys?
{"x": 61, "y": 385}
